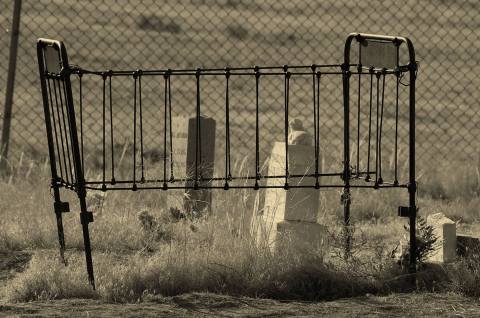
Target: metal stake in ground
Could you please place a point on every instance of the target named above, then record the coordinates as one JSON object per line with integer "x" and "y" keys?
{"x": 7, "y": 113}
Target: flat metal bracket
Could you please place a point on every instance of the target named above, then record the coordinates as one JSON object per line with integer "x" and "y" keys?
{"x": 86, "y": 217}
{"x": 406, "y": 211}
{"x": 61, "y": 207}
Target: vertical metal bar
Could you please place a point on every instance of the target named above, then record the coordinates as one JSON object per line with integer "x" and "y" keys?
{"x": 111, "y": 127}
{"x": 412, "y": 188}
{"x": 367, "y": 177}
{"x": 287, "y": 90}
{"x": 397, "y": 76}
{"x": 48, "y": 87}
{"x": 142, "y": 164}
{"x": 346, "y": 155}
{"x": 377, "y": 129}
{"x": 7, "y": 113}
{"x": 70, "y": 130}
{"x": 396, "y": 130}
{"x": 197, "y": 128}
{"x": 80, "y": 75}
{"x": 228, "y": 173}
{"x": 358, "y": 117}
{"x": 257, "y": 132}
{"x": 317, "y": 120}
{"x": 346, "y": 146}
{"x": 58, "y": 217}
{"x": 65, "y": 123}
{"x": 62, "y": 144}
{"x": 104, "y": 84}
{"x": 85, "y": 216}
{"x": 170, "y": 125}
{"x": 380, "y": 179}
{"x": 165, "y": 89}
{"x": 134, "y": 186}
{"x": 314, "y": 93}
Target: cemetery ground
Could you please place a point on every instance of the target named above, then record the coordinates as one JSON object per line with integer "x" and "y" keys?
{"x": 169, "y": 265}
{"x": 149, "y": 261}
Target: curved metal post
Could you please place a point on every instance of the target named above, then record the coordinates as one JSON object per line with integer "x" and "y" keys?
{"x": 412, "y": 187}
{"x": 59, "y": 206}
{"x": 62, "y": 74}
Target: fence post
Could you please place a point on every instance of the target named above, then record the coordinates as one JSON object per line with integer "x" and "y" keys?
{"x": 7, "y": 113}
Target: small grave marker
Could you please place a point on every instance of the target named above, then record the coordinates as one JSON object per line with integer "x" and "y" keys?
{"x": 188, "y": 164}
{"x": 290, "y": 216}
{"x": 445, "y": 231}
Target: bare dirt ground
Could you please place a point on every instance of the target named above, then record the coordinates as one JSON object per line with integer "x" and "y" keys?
{"x": 213, "y": 305}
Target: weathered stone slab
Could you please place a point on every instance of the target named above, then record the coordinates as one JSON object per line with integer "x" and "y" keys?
{"x": 300, "y": 204}
{"x": 179, "y": 146}
{"x": 194, "y": 159}
{"x": 445, "y": 231}
{"x": 294, "y": 204}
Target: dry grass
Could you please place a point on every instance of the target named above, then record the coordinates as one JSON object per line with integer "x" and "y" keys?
{"x": 202, "y": 261}
{"x": 215, "y": 254}
{"x": 465, "y": 276}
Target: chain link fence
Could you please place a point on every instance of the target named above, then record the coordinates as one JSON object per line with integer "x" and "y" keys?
{"x": 121, "y": 34}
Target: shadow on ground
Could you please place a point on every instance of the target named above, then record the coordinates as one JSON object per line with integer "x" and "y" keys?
{"x": 213, "y": 305}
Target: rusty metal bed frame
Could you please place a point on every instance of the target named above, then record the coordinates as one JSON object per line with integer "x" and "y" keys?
{"x": 378, "y": 60}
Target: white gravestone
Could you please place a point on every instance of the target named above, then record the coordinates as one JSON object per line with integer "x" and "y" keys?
{"x": 300, "y": 204}
{"x": 188, "y": 165}
{"x": 445, "y": 231}
{"x": 289, "y": 219}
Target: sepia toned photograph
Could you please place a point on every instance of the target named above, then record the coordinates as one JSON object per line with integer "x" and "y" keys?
{"x": 239, "y": 158}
